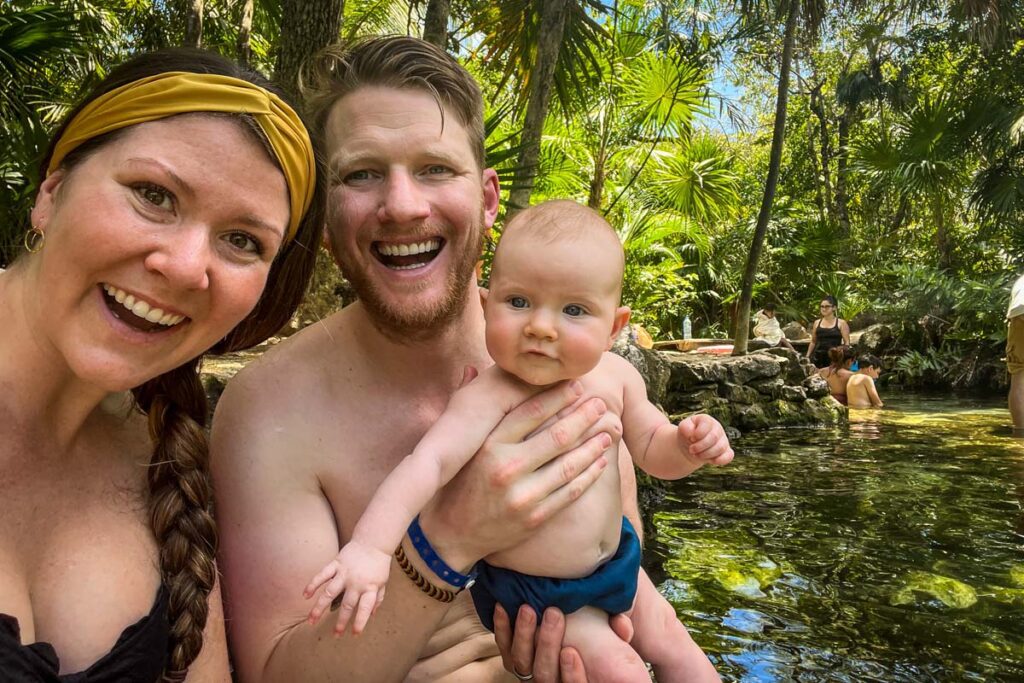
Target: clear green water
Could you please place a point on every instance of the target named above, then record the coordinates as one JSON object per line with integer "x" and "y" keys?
{"x": 888, "y": 550}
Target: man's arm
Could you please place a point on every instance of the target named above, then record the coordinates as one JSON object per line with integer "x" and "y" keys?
{"x": 277, "y": 527}
{"x": 876, "y": 400}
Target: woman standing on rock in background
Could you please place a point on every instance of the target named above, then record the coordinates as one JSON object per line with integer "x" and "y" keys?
{"x": 827, "y": 332}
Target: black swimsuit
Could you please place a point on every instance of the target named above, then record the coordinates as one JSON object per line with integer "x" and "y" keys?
{"x": 138, "y": 656}
{"x": 827, "y": 338}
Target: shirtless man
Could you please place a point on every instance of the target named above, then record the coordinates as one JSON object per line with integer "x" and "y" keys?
{"x": 305, "y": 435}
{"x": 860, "y": 388}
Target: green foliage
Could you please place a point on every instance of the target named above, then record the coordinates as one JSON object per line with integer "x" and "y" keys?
{"x": 902, "y": 180}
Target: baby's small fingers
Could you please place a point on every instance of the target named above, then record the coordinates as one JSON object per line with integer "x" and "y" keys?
{"x": 321, "y": 606}
{"x": 380, "y": 599}
{"x": 724, "y": 458}
{"x": 702, "y": 427}
{"x": 364, "y": 611}
{"x": 324, "y": 575}
{"x": 348, "y": 606}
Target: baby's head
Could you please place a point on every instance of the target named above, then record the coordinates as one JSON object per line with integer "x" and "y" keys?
{"x": 553, "y": 305}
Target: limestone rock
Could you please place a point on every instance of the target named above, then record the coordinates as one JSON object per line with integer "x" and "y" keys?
{"x": 877, "y": 339}
{"x": 792, "y": 394}
{"x": 815, "y": 386}
{"x": 738, "y": 393}
{"x": 794, "y": 330}
{"x": 796, "y": 369}
{"x": 744, "y": 369}
{"x": 651, "y": 365}
{"x": 687, "y": 371}
{"x": 771, "y": 386}
{"x": 751, "y": 417}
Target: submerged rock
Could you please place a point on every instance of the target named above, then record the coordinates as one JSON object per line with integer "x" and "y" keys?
{"x": 949, "y": 591}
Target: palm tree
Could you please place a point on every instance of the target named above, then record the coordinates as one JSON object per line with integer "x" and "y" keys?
{"x": 307, "y": 26}
{"x": 920, "y": 157}
{"x": 791, "y": 10}
{"x": 544, "y": 49}
{"x": 193, "y": 22}
{"x": 435, "y": 23}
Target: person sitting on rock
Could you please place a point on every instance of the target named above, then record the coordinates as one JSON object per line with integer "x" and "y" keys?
{"x": 838, "y": 373}
{"x": 860, "y": 388}
{"x": 766, "y": 327}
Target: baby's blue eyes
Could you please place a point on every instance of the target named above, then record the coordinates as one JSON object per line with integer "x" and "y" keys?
{"x": 572, "y": 310}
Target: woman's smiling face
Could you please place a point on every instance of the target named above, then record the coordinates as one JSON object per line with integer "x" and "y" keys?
{"x": 157, "y": 245}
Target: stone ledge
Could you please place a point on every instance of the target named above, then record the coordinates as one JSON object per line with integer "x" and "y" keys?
{"x": 764, "y": 389}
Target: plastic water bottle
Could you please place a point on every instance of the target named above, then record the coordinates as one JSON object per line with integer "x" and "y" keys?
{"x": 687, "y": 328}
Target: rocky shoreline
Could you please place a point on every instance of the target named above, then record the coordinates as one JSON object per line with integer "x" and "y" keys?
{"x": 762, "y": 390}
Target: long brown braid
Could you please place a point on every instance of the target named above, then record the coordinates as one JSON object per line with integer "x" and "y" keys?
{"x": 180, "y": 489}
{"x": 181, "y": 506}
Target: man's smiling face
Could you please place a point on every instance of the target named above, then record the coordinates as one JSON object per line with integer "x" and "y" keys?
{"x": 408, "y": 206}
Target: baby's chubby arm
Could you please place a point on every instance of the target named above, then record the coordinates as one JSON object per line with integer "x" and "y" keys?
{"x": 659, "y": 447}
{"x": 361, "y": 568}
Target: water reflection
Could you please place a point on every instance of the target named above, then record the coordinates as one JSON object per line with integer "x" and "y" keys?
{"x": 888, "y": 550}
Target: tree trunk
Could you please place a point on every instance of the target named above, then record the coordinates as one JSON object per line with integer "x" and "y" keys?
{"x": 435, "y": 25}
{"x": 842, "y": 201}
{"x": 244, "y": 45}
{"x": 774, "y": 162}
{"x": 549, "y": 41}
{"x": 819, "y": 197}
{"x": 193, "y": 23}
{"x": 818, "y": 107}
{"x": 942, "y": 242}
{"x": 597, "y": 184}
{"x": 307, "y": 26}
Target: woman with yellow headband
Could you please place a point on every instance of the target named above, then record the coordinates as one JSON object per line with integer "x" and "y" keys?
{"x": 178, "y": 211}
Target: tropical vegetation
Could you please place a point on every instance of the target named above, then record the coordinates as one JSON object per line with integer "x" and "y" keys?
{"x": 747, "y": 151}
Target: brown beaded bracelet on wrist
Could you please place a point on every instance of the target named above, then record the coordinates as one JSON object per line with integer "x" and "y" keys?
{"x": 439, "y": 594}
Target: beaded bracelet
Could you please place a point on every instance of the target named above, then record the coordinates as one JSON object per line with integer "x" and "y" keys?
{"x": 434, "y": 561}
{"x": 440, "y": 594}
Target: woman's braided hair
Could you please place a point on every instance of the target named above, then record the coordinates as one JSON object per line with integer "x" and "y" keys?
{"x": 180, "y": 490}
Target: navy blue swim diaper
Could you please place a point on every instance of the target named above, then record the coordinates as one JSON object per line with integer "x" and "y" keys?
{"x": 611, "y": 587}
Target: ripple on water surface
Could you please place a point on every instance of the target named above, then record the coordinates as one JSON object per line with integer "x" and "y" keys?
{"x": 888, "y": 550}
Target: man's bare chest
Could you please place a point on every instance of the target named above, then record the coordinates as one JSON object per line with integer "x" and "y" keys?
{"x": 368, "y": 439}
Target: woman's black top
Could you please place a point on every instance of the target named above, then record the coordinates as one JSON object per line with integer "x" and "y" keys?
{"x": 138, "y": 656}
{"x": 827, "y": 338}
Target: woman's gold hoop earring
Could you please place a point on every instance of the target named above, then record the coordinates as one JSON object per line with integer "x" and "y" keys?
{"x": 34, "y": 240}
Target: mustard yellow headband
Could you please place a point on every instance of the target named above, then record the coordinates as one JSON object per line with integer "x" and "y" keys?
{"x": 181, "y": 92}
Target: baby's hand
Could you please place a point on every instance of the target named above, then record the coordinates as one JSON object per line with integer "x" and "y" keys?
{"x": 704, "y": 439}
{"x": 359, "y": 574}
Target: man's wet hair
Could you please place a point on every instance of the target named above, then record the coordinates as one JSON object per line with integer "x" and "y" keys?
{"x": 869, "y": 361}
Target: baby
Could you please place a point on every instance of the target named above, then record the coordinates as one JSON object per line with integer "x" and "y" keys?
{"x": 552, "y": 313}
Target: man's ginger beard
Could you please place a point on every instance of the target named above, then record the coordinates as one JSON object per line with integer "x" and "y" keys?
{"x": 411, "y": 322}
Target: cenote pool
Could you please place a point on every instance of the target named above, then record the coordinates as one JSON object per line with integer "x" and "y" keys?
{"x": 891, "y": 549}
